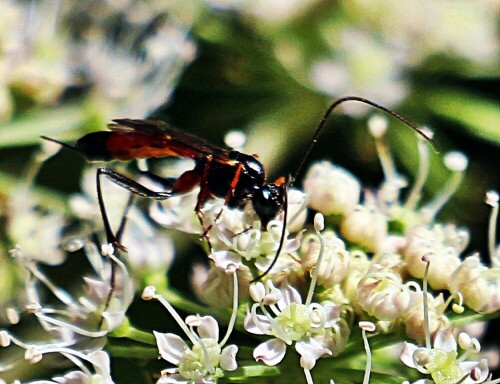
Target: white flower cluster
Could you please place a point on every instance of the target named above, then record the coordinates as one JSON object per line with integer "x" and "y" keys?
{"x": 359, "y": 266}
{"x": 75, "y": 328}
{"x": 372, "y": 258}
{"x": 45, "y": 52}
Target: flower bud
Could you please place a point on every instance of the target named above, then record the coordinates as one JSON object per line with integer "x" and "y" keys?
{"x": 335, "y": 262}
{"x": 365, "y": 226}
{"x": 445, "y": 258}
{"x": 479, "y": 285}
{"x": 414, "y": 317}
{"x": 383, "y": 295}
{"x": 297, "y": 210}
{"x": 257, "y": 291}
{"x": 332, "y": 190}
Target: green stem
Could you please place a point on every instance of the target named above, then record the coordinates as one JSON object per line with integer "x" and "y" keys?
{"x": 127, "y": 331}
{"x": 132, "y": 352}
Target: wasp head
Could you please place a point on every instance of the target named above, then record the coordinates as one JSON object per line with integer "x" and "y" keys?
{"x": 267, "y": 201}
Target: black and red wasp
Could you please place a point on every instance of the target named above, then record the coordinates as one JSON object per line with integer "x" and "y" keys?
{"x": 236, "y": 177}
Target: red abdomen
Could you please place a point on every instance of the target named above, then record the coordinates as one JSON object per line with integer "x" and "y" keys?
{"x": 105, "y": 146}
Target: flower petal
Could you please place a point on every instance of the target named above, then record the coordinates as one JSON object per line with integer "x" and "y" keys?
{"x": 170, "y": 346}
{"x": 208, "y": 328}
{"x": 172, "y": 378}
{"x": 228, "y": 358}
{"x": 289, "y": 295}
{"x": 332, "y": 312}
{"x": 75, "y": 377}
{"x": 445, "y": 340}
{"x": 468, "y": 366}
{"x": 407, "y": 354}
{"x": 113, "y": 319}
{"x": 100, "y": 361}
{"x": 312, "y": 348}
{"x": 271, "y": 352}
{"x": 251, "y": 326}
{"x": 223, "y": 259}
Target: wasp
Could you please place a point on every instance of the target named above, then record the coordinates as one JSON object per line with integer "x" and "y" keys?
{"x": 234, "y": 176}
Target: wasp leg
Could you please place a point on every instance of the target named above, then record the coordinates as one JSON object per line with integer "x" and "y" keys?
{"x": 123, "y": 222}
{"x": 202, "y": 197}
{"x": 130, "y": 185}
{"x": 118, "y": 237}
{"x": 136, "y": 189}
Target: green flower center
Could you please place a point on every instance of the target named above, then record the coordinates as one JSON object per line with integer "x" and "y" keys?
{"x": 193, "y": 364}
{"x": 295, "y": 321}
{"x": 444, "y": 367}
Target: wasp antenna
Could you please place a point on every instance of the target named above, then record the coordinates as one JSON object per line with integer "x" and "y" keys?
{"x": 282, "y": 239}
{"x": 334, "y": 105}
{"x": 65, "y": 145}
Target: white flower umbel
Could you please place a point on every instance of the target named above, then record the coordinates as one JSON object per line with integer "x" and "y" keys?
{"x": 34, "y": 353}
{"x": 441, "y": 360}
{"x": 283, "y": 316}
{"x": 236, "y": 237}
{"x": 207, "y": 359}
{"x": 81, "y": 315}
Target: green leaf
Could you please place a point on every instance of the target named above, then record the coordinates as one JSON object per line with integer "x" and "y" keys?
{"x": 477, "y": 115}
{"x": 26, "y": 130}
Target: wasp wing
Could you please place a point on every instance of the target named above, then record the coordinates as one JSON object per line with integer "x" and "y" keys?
{"x": 145, "y": 138}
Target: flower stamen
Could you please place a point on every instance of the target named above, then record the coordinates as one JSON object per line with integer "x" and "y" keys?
{"x": 492, "y": 200}
{"x": 319, "y": 224}
{"x": 422, "y": 173}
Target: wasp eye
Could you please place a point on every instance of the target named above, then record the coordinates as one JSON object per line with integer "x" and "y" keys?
{"x": 267, "y": 202}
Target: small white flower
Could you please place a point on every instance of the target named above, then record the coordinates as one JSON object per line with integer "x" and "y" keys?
{"x": 331, "y": 189}
{"x": 383, "y": 295}
{"x": 442, "y": 362}
{"x": 444, "y": 243}
{"x": 204, "y": 358}
{"x": 290, "y": 322}
{"x": 478, "y": 284}
{"x": 335, "y": 262}
{"x": 366, "y": 226}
